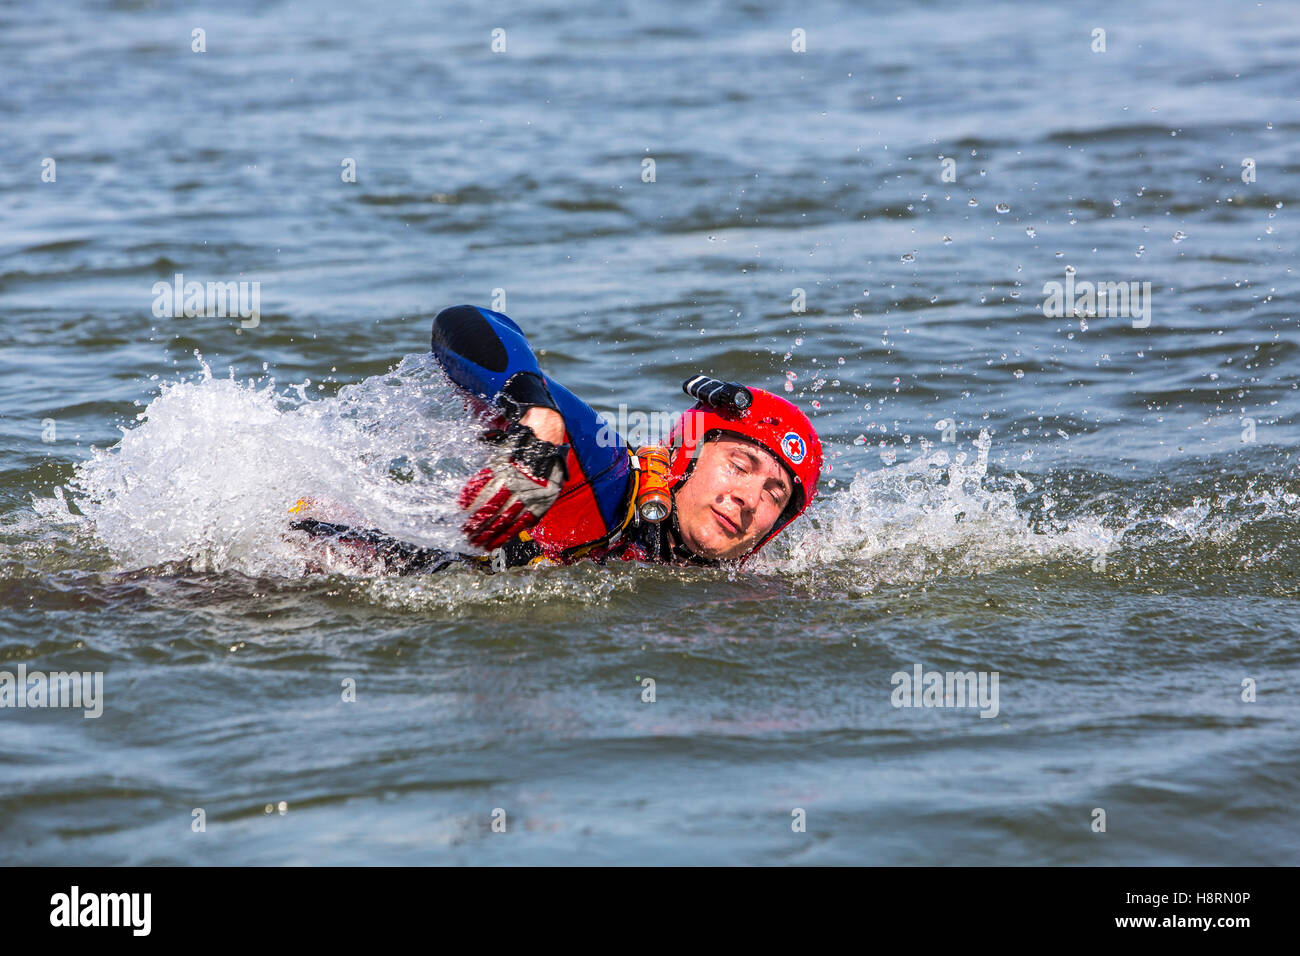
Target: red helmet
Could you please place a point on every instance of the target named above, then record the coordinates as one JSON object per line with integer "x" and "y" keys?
{"x": 770, "y": 421}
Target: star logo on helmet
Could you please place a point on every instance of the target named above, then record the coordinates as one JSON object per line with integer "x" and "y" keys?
{"x": 793, "y": 447}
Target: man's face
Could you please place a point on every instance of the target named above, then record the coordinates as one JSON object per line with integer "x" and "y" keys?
{"x": 733, "y": 496}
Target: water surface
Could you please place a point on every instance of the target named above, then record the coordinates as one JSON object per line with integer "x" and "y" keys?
{"x": 1111, "y": 528}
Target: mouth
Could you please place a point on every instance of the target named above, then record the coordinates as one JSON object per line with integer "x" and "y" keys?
{"x": 726, "y": 523}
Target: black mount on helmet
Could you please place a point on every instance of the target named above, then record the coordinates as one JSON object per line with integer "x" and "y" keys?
{"x": 725, "y": 396}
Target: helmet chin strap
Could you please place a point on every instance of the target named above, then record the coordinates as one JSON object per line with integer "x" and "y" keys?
{"x": 676, "y": 543}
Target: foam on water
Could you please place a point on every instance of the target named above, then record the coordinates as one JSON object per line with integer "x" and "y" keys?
{"x": 459, "y": 587}
{"x": 209, "y": 473}
{"x": 936, "y": 514}
{"x": 944, "y": 516}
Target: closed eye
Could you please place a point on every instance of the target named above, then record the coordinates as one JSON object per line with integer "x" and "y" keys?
{"x": 741, "y": 466}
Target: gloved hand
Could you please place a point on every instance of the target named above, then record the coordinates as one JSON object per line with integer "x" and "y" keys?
{"x": 518, "y": 486}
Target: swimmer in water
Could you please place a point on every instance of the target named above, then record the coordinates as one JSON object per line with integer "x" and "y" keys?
{"x": 562, "y": 486}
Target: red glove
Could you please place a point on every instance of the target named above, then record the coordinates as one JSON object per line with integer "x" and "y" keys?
{"x": 518, "y": 486}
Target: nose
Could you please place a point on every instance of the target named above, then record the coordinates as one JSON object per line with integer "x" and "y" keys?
{"x": 746, "y": 492}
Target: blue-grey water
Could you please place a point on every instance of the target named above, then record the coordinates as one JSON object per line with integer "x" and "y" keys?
{"x": 1100, "y": 508}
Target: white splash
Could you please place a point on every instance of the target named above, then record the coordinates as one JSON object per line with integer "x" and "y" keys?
{"x": 936, "y": 514}
{"x": 209, "y": 473}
